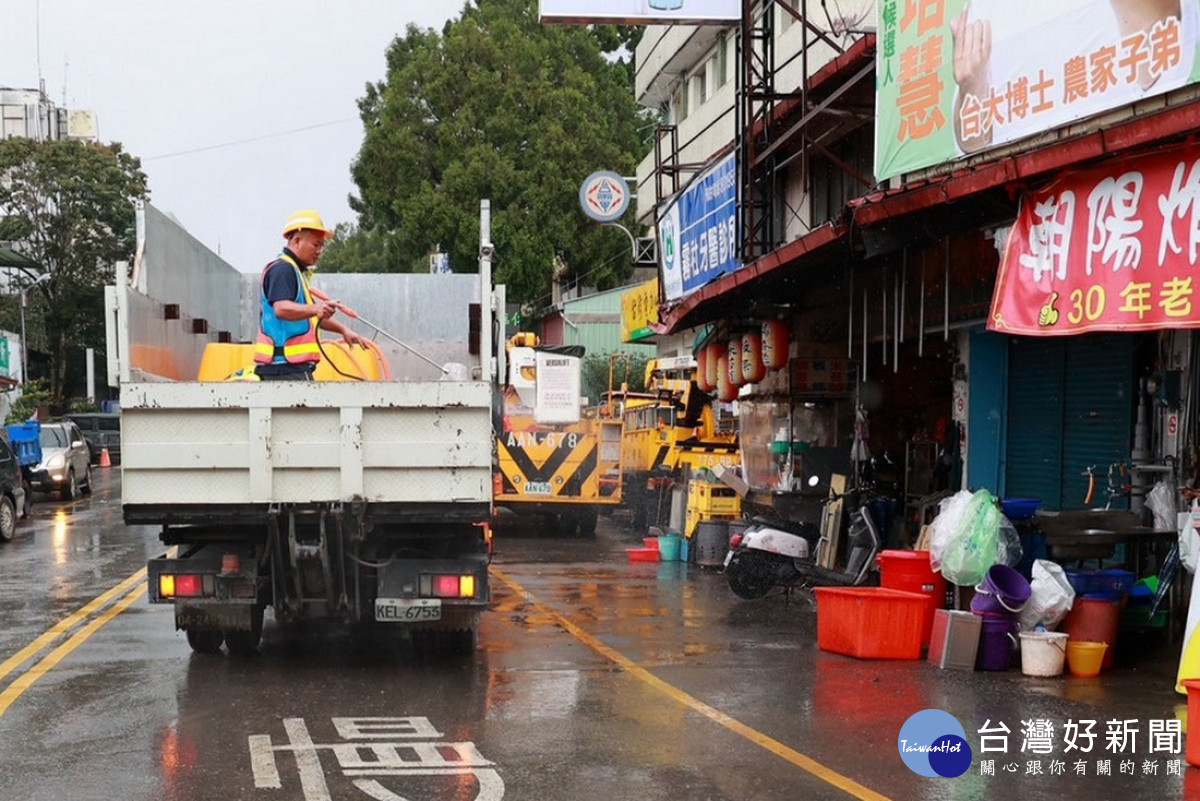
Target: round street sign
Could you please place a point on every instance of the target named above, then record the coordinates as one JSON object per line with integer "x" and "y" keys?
{"x": 604, "y": 196}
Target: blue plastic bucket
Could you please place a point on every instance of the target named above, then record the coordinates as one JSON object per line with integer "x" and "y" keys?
{"x": 669, "y": 548}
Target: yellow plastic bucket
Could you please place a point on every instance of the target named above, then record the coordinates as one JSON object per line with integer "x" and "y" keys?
{"x": 1085, "y": 658}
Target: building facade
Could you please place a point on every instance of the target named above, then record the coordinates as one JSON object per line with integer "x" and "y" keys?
{"x": 988, "y": 277}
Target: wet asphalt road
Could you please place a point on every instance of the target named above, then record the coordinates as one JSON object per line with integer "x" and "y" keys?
{"x": 595, "y": 679}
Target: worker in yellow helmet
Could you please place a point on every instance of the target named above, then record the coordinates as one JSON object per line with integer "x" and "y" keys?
{"x": 287, "y": 348}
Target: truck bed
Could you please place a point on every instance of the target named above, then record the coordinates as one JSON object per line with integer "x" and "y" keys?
{"x": 193, "y": 452}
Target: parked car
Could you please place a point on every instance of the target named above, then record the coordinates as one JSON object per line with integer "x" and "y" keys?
{"x": 101, "y": 430}
{"x": 14, "y": 501}
{"x": 66, "y": 466}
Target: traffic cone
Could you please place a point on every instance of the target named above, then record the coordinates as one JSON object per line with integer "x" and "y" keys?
{"x": 105, "y": 461}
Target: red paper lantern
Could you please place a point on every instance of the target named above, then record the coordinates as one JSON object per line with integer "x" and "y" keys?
{"x": 734, "y": 362}
{"x": 714, "y": 350}
{"x": 775, "y": 344}
{"x": 753, "y": 369}
{"x": 702, "y": 370}
{"x": 725, "y": 390}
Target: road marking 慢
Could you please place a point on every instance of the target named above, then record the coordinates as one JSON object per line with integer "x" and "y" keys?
{"x": 760, "y": 739}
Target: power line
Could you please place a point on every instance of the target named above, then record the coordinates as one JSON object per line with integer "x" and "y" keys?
{"x": 248, "y": 140}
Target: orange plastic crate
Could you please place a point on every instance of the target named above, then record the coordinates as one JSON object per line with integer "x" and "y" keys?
{"x": 870, "y": 622}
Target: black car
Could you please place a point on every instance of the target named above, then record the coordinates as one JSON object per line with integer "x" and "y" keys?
{"x": 101, "y": 430}
{"x": 13, "y": 498}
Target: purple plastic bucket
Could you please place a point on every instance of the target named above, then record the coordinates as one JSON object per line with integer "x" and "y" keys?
{"x": 1004, "y": 591}
{"x": 997, "y": 641}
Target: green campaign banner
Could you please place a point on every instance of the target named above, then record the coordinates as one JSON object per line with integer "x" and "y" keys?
{"x": 954, "y": 78}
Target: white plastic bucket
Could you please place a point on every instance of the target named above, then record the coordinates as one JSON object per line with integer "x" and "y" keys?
{"x": 1043, "y": 652}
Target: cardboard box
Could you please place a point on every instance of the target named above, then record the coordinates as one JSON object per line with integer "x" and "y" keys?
{"x": 730, "y": 478}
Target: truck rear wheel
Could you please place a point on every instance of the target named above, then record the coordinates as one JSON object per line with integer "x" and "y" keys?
{"x": 464, "y": 642}
{"x": 245, "y": 643}
{"x": 205, "y": 640}
{"x": 446, "y": 642}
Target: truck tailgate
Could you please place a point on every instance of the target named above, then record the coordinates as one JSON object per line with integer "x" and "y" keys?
{"x": 214, "y": 445}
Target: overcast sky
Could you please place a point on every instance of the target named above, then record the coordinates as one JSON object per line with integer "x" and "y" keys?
{"x": 173, "y": 81}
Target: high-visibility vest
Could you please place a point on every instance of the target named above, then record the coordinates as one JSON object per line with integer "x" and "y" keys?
{"x": 290, "y": 341}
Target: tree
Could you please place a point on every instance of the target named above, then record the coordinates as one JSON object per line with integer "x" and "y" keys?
{"x": 358, "y": 250}
{"x": 625, "y": 368}
{"x": 499, "y": 106}
{"x": 34, "y": 396}
{"x": 70, "y": 206}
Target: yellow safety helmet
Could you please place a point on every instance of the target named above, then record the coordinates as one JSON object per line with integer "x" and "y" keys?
{"x": 306, "y": 219}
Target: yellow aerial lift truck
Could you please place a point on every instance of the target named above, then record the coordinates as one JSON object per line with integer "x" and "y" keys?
{"x": 554, "y": 459}
{"x": 669, "y": 427}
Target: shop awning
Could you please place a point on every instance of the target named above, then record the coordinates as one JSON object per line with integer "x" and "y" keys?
{"x": 1141, "y": 131}
{"x": 723, "y": 296}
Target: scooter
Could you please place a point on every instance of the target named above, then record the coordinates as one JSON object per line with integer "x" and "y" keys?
{"x": 775, "y": 553}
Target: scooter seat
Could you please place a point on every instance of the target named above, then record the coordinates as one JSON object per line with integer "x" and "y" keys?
{"x": 806, "y": 530}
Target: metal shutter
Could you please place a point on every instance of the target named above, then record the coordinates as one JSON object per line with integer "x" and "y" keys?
{"x": 1070, "y": 406}
{"x": 1034, "y": 446}
{"x": 1098, "y": 414}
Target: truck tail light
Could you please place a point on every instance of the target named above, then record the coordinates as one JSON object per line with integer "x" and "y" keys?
{"x": 448, "y": 586}
{"x": 180, "y": 585}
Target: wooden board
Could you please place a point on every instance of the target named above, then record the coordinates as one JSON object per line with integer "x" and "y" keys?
{"x": 831, "y": 524}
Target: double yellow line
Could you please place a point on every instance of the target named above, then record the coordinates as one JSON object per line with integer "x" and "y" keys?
{"x": 127, "y": 591}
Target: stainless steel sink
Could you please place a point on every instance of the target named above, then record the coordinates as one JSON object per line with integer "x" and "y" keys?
{"x": 1075, "y": 521}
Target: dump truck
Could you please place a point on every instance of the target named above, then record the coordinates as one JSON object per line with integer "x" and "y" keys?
{"x": 360, "y": 502}
{"x": 670, "y": 427}
{"x": 555, "y": 459}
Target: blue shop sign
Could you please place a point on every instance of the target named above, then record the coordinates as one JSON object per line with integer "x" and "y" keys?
{"x": 698, "y": 232}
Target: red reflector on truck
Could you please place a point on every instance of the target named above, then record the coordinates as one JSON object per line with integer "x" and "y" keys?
{"x": 180, "y": 585}
{"x": 189, "y": 585}
{"x": 447, "y": 586}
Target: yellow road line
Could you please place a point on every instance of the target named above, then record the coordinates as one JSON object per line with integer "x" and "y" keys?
{"x": 753, "y": 735}
{"x": 67, "y": 623}
{"x": 47, "y": 663}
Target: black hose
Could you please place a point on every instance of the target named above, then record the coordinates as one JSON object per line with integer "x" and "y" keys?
{"x": 325, "y": 356}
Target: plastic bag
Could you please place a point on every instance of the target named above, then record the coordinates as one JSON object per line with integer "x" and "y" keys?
{"x": 1189, "y": 540}
{"x": 1008, "y": 545}
{"x": 942, "y": 528}
{"x": 975, "y": 544}
{"x": 1161, "y": 501}
{"x": 1052, "y": 597}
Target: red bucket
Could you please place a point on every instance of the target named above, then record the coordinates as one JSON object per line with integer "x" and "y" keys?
{"x": 910, "y": 571}
{"x": 1095, "y": 620}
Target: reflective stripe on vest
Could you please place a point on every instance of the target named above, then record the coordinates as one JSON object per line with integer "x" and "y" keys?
{"x": 286, "y": 341}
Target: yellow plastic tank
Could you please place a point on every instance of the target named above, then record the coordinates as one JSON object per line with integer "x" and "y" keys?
{"x": 224, "y": 361}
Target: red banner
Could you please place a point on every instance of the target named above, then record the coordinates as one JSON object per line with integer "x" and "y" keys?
{"x": 1107, "y": 249}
